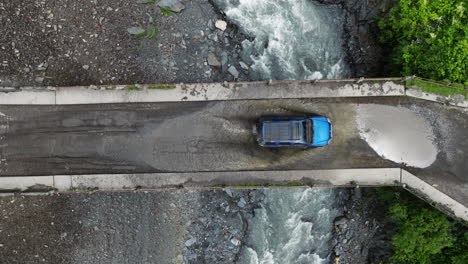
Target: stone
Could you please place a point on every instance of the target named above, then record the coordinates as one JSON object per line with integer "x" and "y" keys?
{"x": 42, "y": 66}
{"x": 213, "y": 61}
{"x": 241, "y": 202}
{"x": 233, "y": 71}
{"x": 236, "y": 242}
{"x": 340, "y": 221}
{"x": 173, "y": 5}
{"x": 221, "y": 24}
{"x": 243, "y": 65}
{"x": 86, "y": 67}
{"x": 228, "y": 192}
{"x": 39, "y": 79}
{"x": 224, "y": 58}
{"x": 136, "y": 31}
{"x": 190, "y": 242}
{"x": 213, "y": 37}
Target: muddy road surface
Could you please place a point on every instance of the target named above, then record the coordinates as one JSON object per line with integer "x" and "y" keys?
{"x": 217, "y": 136}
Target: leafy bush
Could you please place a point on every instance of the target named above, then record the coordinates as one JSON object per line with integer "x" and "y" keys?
{"x": 423, "y": 234}
{"x": 428, "y": 38}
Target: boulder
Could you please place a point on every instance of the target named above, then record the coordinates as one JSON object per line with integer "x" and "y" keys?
{"x": 233, "y": 71}
{"x": 213, "y": 60}
{"x": 221, "y": 24}
{"x": 172, "y": 5}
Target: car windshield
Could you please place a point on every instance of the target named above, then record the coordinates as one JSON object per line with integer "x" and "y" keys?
{"x": 308, "y": 131}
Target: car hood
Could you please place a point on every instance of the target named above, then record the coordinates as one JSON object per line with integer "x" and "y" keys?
{"x": 321, "y": 131}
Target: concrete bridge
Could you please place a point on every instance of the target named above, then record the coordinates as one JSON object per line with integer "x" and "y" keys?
{"x": 198, "y": 135}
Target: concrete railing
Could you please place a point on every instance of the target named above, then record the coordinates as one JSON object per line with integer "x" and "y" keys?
{"x": 201, "y": 92}
{"x": 148, "y": 93}
{"x": 239, "y": 179}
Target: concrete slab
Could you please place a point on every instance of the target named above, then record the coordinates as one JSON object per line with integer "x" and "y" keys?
{"x": 432, "y": 194}
{"x": 202, "y": 91}
{"x": 26, "y": 96}
{"x": 229, "y": 91}
{"x": 346, "y": 177}
{"x": 455, "y": 100}
{"x": 62, "y": 182}
{"x": 25, "y": 183}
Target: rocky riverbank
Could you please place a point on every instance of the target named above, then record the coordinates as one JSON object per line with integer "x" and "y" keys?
{"x": 218, "y": 230}
{"x": 364, "y": 55}
{"x": 363, "y": 233}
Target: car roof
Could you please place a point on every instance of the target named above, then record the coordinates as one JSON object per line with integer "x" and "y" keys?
{"x": 283, "y": 131}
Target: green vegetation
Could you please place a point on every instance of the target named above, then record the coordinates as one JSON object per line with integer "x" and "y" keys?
{"x": 151, "y": 2}
{"x": 162, "y": 86}
{"x": 423, "y": 234}
{"x": 437, "y": 88}
{"x": 152, "y": 32}
{"x": 133, "y": 87}
{"x": 427, "y": 38}
{"x": 166, "y": 12}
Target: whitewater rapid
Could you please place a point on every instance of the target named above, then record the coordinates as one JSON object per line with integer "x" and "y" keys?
{"x": 292, "y": 226}
{"x": 293, "y": 39}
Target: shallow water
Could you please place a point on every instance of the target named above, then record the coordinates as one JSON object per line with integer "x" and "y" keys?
{"x": 398, "y": 134}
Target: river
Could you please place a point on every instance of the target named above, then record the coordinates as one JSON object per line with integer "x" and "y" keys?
{"x": 292, "y": 39}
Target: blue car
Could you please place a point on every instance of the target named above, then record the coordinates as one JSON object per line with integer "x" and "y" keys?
{"x": 299, "y": 132}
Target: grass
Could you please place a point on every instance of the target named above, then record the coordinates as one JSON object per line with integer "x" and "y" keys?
{"x": 166, "y": 12}
{"x": 151, "y": 32}
{"x": 131, "y": 88}
{"x": 436, "y": 88}
{"x": 162, "y": 86}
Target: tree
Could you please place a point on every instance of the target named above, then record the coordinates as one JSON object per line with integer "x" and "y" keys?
{"x": 428, "y": 38}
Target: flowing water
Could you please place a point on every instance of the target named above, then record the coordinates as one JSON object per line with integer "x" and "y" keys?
{"x": 292, "y": 39}
{"x": 293, "y": 226}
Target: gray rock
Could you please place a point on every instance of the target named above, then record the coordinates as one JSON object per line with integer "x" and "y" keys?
{"x": 236, "y": 242}
{"x": 42, "y": 67}
{"x": 190, "y": 242}
{"x": 136, "y": 31}
{"x": 213, "y": 37}
{"x": 173, "y": 5}
{"x": 213, "y": 61}
{"x": 243, "y": 65}
{"x": 233, "y": 71}
{"x": 86, "y": 67}
{"x": 241, "y": 202}
{"x": 39, "y": 79}
{"x": 221, "y": 24}
{"x": 340, "y": 221}
{"x": 228, "y": 192}
{"x": 224, "y": 59}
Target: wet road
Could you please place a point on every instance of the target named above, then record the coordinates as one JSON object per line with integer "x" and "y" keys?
{"x": 209, "y": 136}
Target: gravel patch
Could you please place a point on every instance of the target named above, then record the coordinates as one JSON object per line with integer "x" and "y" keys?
{"x": 65, "y": 43}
